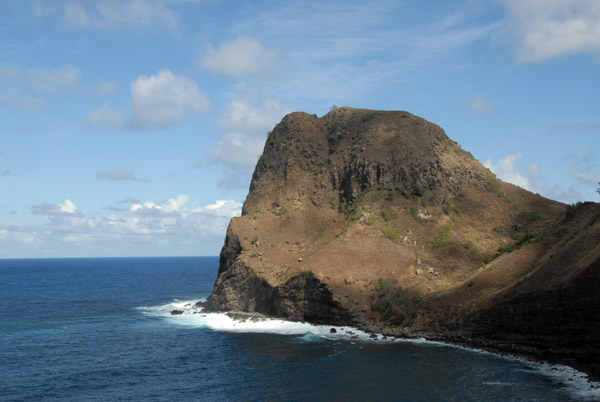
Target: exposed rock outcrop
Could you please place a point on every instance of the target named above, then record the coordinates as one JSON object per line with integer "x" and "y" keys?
{"x": 378, "y": 219}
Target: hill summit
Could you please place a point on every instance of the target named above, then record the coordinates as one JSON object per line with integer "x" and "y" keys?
{"x": 377, "y": 219}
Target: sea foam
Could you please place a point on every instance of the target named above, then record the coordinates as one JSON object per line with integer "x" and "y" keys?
{"x": 192, "y": 315}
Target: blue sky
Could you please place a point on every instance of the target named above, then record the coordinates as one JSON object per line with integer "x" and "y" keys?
{"x": 131, "y": 127}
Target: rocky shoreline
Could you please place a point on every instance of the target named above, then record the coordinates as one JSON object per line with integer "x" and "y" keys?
{"x": 377, "y": 220}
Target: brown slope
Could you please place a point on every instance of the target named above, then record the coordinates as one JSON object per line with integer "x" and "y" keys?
{"x": 339, "y": 203}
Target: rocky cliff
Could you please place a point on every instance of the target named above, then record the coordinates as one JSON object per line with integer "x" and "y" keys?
{"x": 377, "y": 219}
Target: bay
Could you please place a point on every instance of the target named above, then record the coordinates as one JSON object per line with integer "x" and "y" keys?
{"x": 101, "y": 329}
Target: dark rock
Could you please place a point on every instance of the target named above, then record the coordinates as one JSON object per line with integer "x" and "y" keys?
{"x": 333, "y": 330}
{"x": 176, "y": 312}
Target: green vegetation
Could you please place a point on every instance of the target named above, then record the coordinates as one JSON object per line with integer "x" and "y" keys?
{"x": 388, "y": 214}
{"x": 442, "y": 239}
{"x": 392, "y": 234}
{"x": 279, "y": 209}
{"x": 352, "y": 209}
{"x": 415, "y": 214}
{"x": 447, "y": 208}
{"x": 368, "y": 117}
{"x": 520, "y": 238}
{"x": 526, "y": 217}
{"x": 394, "y": 304}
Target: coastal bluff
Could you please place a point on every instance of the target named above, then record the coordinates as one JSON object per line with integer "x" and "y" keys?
{"x": 378, "y": 220}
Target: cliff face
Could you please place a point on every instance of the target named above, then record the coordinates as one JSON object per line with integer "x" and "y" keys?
{"x": 378, "y": 219}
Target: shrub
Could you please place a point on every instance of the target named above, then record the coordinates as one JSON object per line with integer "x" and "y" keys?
{"x": 527, "y": 217}
{"x": 394, "y": 304}
{"x": 388, "y": 214}
{"x": 442, "y": 239}
{"x": 392, "y": 234}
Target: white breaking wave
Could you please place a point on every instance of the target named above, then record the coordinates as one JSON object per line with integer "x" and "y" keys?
{"x": 194, "y": 316}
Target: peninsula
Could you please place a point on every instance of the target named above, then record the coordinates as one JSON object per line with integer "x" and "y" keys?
{"x": 377, "y": 219}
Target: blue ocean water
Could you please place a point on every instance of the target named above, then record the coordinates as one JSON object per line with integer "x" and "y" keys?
{"x": 101, "y": 329}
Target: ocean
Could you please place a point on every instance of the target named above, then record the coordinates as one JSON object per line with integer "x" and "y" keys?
{"x": 101, "y": 329}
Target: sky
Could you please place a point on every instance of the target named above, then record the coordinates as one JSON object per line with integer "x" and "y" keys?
{"x": 132, "y": 127}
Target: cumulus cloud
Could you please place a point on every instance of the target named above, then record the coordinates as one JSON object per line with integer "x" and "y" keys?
{"x": 480, "y": 104}
{"x": 506, "y": 170}
{"x": 245, "y": 127}
{"x": 163, "y": 99}
{"x": 239, "y": 149}
{"x": 240, "y": 57}
{"x": 62, "y": 213}
{"x": 105, "y": 117}
{"x": 157, "y": 228}
{"x": 119, "y": 174}
{"x": 107, "y": 88}
{"x": 59, "y": 80}
{"x": 133, "y": 14}
{"x": 553, "y": 28}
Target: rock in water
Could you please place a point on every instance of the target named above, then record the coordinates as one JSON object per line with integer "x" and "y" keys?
{"x": 342, "y": 210}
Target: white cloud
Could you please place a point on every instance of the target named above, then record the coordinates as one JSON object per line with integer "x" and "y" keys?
{"x": 157, "y": 228}
{"x": 112, "y": 14}
{"x": 239, "y": 149}
{"x": 241, "y": 114}
{"x": 224, "y": 208}
{"x": 584, "y": 178}
{"x": 119, "y": 174}
{"x": 553, "y": 28}
{"x": 506, "y": 170}
{"x": 107, "y": 88}
{"x": 67, "y": 208}
{"x": 59, "y": 80}
{"x": 242, "y": 56}
{"x": 105, "y": 117}
{"x": 246, "y": 127}
{"x": 163, "y": 99}
{"x": 480, "y": 104}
